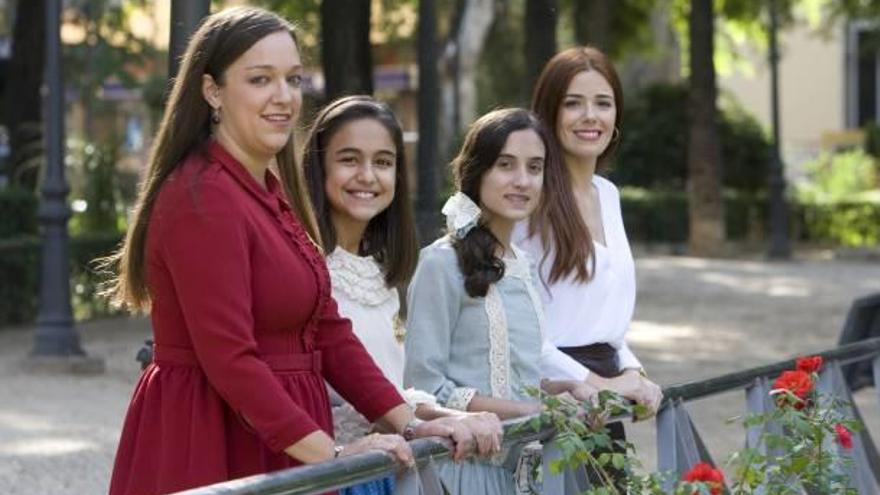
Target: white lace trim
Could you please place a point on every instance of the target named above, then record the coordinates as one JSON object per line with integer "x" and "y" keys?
{"x": 360, "y": 278}
{"x": 499, "y": 346}
{"x": 415, "y": 397}
{"x": 460, "y": 398}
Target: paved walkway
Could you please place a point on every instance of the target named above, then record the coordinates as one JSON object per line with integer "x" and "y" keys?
{"x": 694, "y": 319}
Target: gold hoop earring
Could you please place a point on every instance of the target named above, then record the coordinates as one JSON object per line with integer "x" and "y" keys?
{"x": 215, "y": 115}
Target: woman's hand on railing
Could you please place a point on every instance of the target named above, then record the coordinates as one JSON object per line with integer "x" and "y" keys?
{"x": 395, "y": 445}
{"x": 583, "y": 391}
{"x": 632, "y": 385}
{"x": 471, "y": 433}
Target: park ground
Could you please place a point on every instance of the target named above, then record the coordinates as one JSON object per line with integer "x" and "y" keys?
{"x": 695, "y": 319}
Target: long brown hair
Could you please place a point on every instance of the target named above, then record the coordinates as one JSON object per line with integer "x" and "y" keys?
{"x": 220, "y": 40}
{"x": 484, "y": 142}
{"x": 390, "y": 236}
{"x": 565, "y": 234}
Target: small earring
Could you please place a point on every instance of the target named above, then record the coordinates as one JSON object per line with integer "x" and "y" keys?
{"x": 616, "y": 134}
{"x": 215, "y": 115}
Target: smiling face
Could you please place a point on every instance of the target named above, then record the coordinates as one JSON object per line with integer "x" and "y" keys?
{"x": 258, "y": 98}
{"x": 511, "y": 189}
{"x": 360, "y": 164}
{"x": 587, "y": 116}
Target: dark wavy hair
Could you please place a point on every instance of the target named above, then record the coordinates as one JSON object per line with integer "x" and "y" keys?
{"x": 476, "y": 251}
{"x": 390, "y": 236}
{"x": 220, "y": 40}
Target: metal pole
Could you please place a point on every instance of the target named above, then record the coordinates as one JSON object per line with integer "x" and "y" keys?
{"x": 779, "y": 245}
{"x": 428, "y": 108}
{"x": 56, "y": 341}
{"x": 186, "y": 15}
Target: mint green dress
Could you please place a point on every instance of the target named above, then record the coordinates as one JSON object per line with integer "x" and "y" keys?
{"x": 458, "y": 346}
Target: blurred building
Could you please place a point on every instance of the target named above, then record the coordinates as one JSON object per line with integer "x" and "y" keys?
{"x": 828, "y": 87}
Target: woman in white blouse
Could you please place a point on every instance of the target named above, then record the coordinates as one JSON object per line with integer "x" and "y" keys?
{"x": 585, "y": 261}
{"x": 355, "y": 168}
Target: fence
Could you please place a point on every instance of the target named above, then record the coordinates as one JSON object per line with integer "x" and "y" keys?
{"x": 679, "y": 444}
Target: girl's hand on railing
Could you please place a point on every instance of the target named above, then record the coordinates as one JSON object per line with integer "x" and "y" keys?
{"x": 395, "y": 445}
{"x": 471, "y": 433}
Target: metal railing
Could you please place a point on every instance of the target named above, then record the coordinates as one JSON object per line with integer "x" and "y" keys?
{"x": 679, "y": 444}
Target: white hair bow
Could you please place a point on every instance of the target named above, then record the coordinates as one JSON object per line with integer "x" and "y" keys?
{"x": 462, "y": 214}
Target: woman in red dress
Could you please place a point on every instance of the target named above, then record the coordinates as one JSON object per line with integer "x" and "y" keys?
{"x": 245, "y": 329}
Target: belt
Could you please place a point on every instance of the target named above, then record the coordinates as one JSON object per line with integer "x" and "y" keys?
{"x": 600, "y": 358}
{"x": 184, "y": 356}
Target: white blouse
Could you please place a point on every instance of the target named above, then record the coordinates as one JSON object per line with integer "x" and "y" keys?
{"x": 600, "y": 311}
{"x": 358, "y": 286}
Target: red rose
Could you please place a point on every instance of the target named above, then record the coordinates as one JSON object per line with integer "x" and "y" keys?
{"x": 797, "y": 382}
{"x": 844, "y": 437}
{"x": 704, "y": 472}
{"x": 809, "y": 364}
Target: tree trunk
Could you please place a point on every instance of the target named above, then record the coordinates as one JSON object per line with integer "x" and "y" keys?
{"x": 592, "y": 23}
{"x": 706, "y": 210}
{"x": 24, "y": 119}
{"x": 461, "y": 54}
{"x": 540, "y": 31}
{"x": 345, "y": 48}
{"x": 477, "y": 20}
{"x": 427, "y": 214}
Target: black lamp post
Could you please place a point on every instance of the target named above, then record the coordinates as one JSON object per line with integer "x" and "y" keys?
{"x": 185, "y": 18}
{"x": 779, "y": 246}
{"x": 429, "y": 106}
{"x": 56, "y": 341}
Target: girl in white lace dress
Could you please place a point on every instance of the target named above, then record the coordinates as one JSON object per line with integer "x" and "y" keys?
{"x": 474, "y": 328}
{"x": 354, "y": 165}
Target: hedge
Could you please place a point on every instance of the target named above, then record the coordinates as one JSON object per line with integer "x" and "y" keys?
{"x": 662, "y": 216}
{"x": 20, "y": 273}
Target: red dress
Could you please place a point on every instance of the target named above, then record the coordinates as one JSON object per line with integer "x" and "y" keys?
{"x": 246, "y": 333}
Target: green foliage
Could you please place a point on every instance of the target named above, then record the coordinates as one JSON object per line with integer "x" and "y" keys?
{"x": 839, "y": 176}
{"x": 19, "y": 207}
{"x": 800, "y": 451}
{"x": 662, "y": 215}
{"x": 20, "y": 271}
{"x": 851, "y": 223}
{"x": 840, "y": 200}
{"x": 501, "y": 75}
{"x": 653, "y": 150}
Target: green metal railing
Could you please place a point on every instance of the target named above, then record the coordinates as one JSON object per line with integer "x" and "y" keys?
{"x": 678, "y": 442}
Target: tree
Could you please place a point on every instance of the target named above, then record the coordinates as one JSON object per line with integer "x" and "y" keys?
{"x": 592, "y": 23}
{"x": 345, "y": 42}
{"x": 540, "y": 31}
{"x": 705, "y": 206}
{"x": 24, "y": 119}
{"x": 461, "y": 53}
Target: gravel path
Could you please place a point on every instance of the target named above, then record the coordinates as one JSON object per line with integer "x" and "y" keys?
{"x": 695, "y": 319}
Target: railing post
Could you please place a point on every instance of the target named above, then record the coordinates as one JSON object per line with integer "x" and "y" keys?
{"x": 866, "y": 461}
{"x": 679, "y": 445}
{"x": 420, "y": 481}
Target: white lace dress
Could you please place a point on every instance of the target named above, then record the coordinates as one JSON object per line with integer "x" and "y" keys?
{"x": 358, "y": 285}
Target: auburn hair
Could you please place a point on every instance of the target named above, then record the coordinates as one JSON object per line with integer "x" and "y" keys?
{"x": 562, "y": 233}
